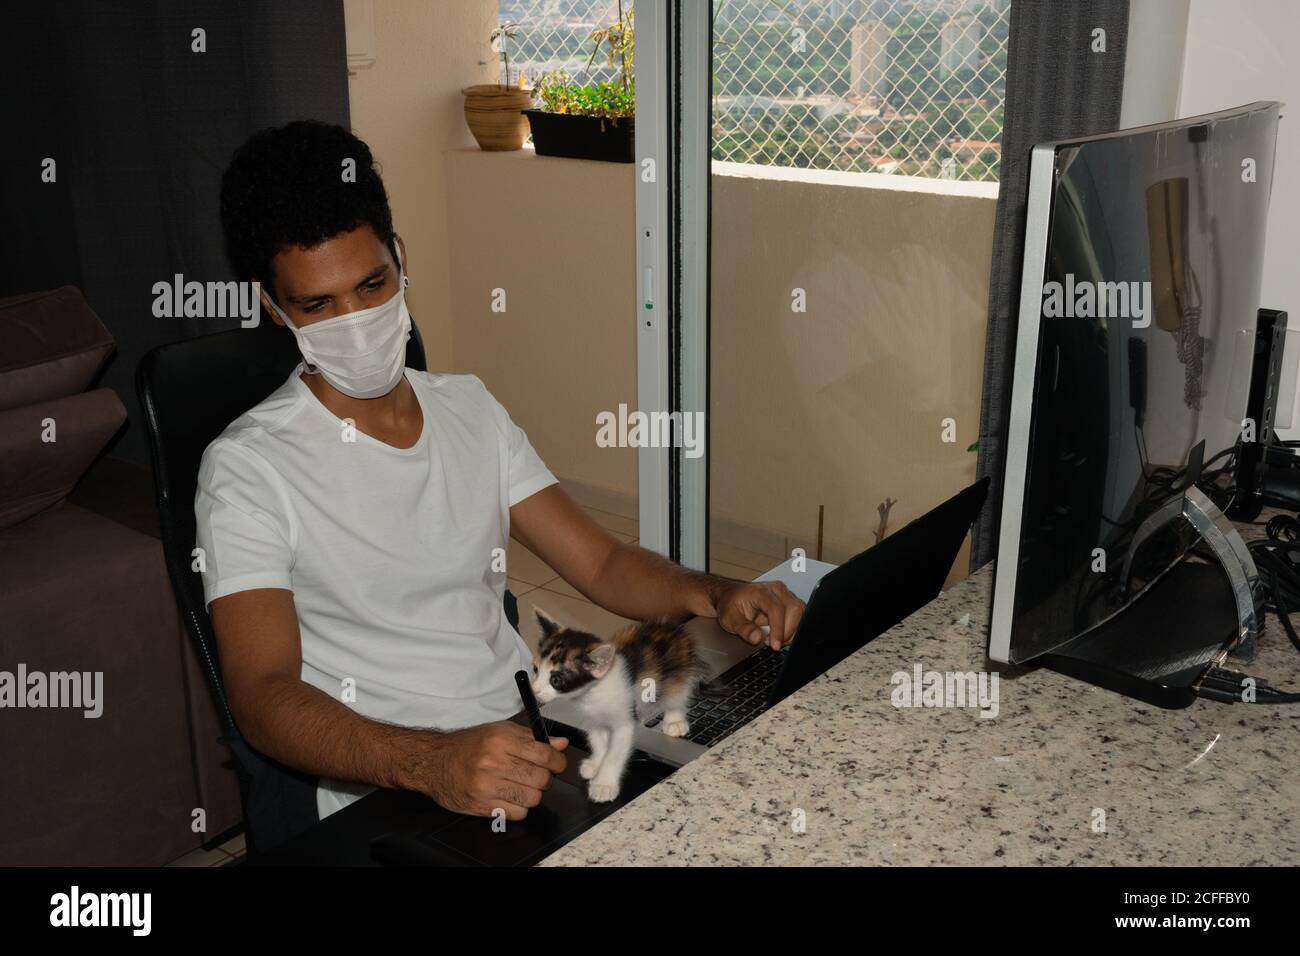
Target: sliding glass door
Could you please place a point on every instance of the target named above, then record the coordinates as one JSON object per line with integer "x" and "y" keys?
{"x": 851, "y": 178}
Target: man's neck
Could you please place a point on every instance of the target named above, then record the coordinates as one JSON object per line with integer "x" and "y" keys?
{"x": 390, "y": 413}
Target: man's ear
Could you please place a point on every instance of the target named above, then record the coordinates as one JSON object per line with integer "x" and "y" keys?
{"x": 602, "y": 659}
{"x": 549, "y": 624}
{"x": 266, "y": 305}
{"x": 403, "y": 263}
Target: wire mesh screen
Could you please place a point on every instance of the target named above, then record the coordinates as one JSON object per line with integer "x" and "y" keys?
{"x": 555, "y": 35}
{"x": 912, "y": 87}
{"x": 888, "y": 86}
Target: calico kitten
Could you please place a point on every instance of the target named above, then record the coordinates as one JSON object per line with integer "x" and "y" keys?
{"x": 606, "y": 678}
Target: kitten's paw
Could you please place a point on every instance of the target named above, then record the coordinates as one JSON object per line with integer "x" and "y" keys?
{"x": 602, "y": 792}
{"x": 677, "y": 728}
{"x": 587, "y": 769}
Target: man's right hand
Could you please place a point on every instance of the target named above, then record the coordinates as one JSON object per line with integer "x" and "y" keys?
{"x": 493, "y": 766}
{"x": 476, "y": 770}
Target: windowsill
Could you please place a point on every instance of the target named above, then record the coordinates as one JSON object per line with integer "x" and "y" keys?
{"x": 527, "y": 153}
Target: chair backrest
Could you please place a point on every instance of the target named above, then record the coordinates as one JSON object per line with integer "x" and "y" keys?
{"x": 190, "y": 391}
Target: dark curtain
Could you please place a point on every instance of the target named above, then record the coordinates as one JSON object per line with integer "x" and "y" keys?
{"x": 1057, "y": 87}
{"x": 141, "y": 128}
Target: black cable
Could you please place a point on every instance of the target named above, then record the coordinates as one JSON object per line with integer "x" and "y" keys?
{"x": 1282, "y": 578}
{"x": 1274, "y": 557}
{"x": 1227, "y": 686}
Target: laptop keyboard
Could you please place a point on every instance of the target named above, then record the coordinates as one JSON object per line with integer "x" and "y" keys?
{"x": 741, "y": 695}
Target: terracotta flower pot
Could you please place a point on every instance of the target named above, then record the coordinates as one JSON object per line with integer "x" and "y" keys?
{"x": 495, "y": 115}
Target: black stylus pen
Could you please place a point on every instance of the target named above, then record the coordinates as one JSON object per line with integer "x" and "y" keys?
{"x": 530, "y": 707}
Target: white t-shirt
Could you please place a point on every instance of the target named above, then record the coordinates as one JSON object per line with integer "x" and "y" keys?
{"x": 390, "y": 553}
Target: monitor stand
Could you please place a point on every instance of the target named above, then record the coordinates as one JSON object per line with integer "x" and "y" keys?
{"x": 1158, "y": 647}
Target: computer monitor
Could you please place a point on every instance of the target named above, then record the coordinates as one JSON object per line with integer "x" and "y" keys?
{"x": 1141, "y": 283}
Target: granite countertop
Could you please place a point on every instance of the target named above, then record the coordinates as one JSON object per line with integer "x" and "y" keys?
{"x": 1065, "y": 773}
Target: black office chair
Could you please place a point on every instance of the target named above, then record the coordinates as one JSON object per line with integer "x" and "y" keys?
{"x": 190, "y": 391}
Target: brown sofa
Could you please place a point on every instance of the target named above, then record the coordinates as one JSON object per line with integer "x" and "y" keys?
{"x": 83, "y": 588}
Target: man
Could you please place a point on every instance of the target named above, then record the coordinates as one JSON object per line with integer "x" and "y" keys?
{"x": 354, "y": 521}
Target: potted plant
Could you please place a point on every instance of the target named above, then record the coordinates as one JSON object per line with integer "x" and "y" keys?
{"x": 494, "y": 111}
{"x": 595, "y": 121}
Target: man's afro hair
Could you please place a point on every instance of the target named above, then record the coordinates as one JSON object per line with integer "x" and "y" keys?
{"x": 285, "y": 187}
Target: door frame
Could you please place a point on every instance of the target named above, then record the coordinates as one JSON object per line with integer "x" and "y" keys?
{"x": 673, "y": 212}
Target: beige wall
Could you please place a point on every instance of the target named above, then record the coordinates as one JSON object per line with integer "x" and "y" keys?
{"x": 556, "y": 236}
{"x": 409, "y": 108}
{"x": 843, "y": 405}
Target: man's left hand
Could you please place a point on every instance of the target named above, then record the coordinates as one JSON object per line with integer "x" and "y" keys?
{"x": 747, "y": 608}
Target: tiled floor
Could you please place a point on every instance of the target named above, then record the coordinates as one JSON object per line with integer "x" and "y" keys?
{"x": 536, "y": 585}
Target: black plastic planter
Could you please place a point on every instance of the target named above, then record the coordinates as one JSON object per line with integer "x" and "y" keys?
{"x": 581, "y": 137}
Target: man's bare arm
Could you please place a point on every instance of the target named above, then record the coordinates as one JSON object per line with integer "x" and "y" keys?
{"x": 473, "y": 771}
{"x": 637, "y": 583}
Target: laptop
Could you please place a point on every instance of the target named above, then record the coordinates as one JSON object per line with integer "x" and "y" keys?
{"x": 847, "y": 606}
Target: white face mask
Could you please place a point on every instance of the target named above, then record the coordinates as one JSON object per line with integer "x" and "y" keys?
{"x": 363, "y": 353}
